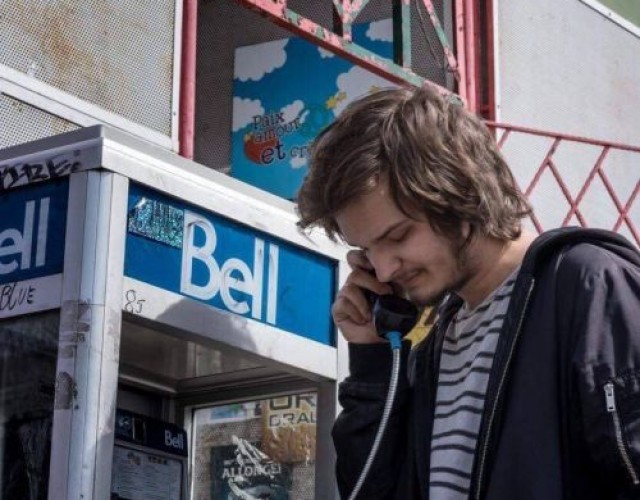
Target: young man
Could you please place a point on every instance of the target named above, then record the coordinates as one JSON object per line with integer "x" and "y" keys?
{"x": 528, "y": 386}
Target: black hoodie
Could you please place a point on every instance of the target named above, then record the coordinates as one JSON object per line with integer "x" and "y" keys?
{"x": 562, "y": 410}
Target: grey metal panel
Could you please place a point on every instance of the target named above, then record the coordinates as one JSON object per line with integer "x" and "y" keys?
{"x": 563, "y": 67}
{"x": 116, "y": 54}
{"x": 22, "y": 122}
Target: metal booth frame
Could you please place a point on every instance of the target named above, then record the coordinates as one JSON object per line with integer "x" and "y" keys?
{"x": 101, "y": 165}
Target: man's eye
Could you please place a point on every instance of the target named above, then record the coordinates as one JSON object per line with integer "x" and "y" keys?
{"x": 398, "y": 237}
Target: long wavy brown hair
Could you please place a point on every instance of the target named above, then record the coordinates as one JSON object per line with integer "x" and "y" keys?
{"x": 440, "y": 160}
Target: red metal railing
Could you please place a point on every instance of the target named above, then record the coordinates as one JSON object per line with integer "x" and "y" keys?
{"x": 599, "y": 180}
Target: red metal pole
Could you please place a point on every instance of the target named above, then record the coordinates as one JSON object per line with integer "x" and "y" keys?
{"x": 624, "y": 215}
{"x": 186, "y": 131}
{"x": 461, "y": 52}
{"x": 472, "y": 49}
{"x": 490, "y": 69}
{"x": 568, "y": 137}
{"x": 467, "y": 52}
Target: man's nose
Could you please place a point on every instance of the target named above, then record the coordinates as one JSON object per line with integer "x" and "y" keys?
{"x": 386, "y": 264}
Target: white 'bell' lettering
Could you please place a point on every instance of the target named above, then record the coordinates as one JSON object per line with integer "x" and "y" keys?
{"x": 173, "y": 441}
{"x": 233, "y": 274}
{"x": 17, "y": 243}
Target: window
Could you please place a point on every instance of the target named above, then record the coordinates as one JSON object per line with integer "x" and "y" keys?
{"x": 28, "y": 350}
{"x": 622, "y": 12}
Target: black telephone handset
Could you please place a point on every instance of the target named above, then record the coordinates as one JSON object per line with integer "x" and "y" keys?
{"x": 393, "y": 318}
{"x": 392, "y": 314}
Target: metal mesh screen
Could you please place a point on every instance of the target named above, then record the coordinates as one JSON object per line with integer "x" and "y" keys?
{"x": 117, "y": 54}
{"x": 223, "y": 25}
{"x": 319, "y": 11}
{"x": 22, "y": 122}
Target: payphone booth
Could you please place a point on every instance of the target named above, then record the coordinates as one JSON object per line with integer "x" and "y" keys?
{"x": 165, "y": 330}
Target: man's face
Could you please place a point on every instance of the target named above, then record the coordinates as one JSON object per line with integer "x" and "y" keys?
{"x": 404, "y": 252}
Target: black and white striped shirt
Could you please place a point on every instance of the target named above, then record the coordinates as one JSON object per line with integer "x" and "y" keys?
{"x": 467, "y": 355}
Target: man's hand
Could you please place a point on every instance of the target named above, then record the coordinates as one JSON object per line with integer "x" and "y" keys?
{"x": 352, "y": 311}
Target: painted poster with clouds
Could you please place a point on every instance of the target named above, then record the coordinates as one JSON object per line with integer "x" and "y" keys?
{"x": 285, "y": 93}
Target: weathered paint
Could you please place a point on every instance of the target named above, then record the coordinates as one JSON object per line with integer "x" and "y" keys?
{"x": 348, "y": 10}
{"x": 452, "y": 64}
{"x": 338, "y": 5}
{"x": 277, "y": 11}
{"x": 489, "y": 104}
{"x": 65, "y": 392}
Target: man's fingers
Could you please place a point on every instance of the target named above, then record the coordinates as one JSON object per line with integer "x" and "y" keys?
{"x": 366, "y": 280}
{"x": 351, "y": 305}
{"x": 351, "y": 310}
{"x": 363, "y": 274}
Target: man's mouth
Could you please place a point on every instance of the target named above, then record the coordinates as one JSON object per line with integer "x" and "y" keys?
{"x": 405, "y": 281}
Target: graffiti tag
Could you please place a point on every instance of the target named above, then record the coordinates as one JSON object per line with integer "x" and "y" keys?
{"x": 27, "y": 173}
{"x": 12, "y": 296}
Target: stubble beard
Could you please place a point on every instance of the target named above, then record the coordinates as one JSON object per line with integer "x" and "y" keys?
{"x": 436, "y": 297}
{"x": 463, "y": 274}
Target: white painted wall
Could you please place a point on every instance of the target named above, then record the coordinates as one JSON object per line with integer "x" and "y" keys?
{"x": 562, "y": 66}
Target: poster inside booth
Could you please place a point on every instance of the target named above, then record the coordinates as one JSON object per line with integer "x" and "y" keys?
{"x": 285, "y": 92}
{"x": 257, "y": 449}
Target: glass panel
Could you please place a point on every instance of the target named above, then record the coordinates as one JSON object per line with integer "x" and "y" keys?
{"x": 28, "y": 350}
{"x": 150, "y": 351}
{"x": 262, "y": 449}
